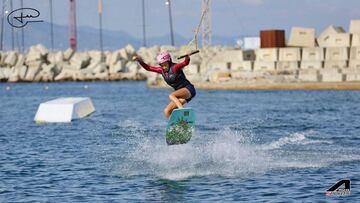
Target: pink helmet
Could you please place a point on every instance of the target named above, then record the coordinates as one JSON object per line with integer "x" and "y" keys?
{"x": 163, "y": 57}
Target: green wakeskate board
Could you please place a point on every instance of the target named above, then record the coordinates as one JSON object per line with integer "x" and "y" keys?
{"x": 180, "y": 126}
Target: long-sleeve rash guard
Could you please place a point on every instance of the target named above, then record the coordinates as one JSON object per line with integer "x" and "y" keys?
{"x": 158, "y": 69}
{"x": 174, "y": 77}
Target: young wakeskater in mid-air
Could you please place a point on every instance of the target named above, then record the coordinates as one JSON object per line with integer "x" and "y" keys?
{"x": 173, "y": 76}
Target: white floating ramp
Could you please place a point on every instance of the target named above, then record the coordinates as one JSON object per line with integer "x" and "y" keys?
{"x": 64, "y": 109}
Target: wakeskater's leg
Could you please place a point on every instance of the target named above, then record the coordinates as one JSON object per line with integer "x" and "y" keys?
{"x": 182, "y": 93}
{"x": 171, "y": 106}
{"x": 168, "y": 109}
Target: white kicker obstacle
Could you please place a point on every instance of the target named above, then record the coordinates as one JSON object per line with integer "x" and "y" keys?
{"x": 64, "y": 109}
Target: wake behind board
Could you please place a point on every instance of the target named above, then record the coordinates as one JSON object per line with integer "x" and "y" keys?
{"x": 180, "y": 126}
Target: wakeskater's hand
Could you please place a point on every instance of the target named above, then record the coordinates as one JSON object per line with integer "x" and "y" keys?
{"x": 136, "y": 58}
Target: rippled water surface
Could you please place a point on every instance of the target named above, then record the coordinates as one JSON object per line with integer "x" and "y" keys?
{"x": 248, "y": 145}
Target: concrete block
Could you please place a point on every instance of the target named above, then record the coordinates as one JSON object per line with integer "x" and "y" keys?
{"x": 266, "y": 54}
{"x": 251, "y": 43}
{"x": 51, "y": 57}
{"x": 335, "y": 64}
{"x": 313, "y": 54}
{"x": 220, "y": 76}
{"x": 195, "y": 78}
{"x": 42, "y": 49}
{"x": 123, "y": 54}
{"x": 68, "y": 54}
{"x": 2, "y": 76}
{"x": 82, "y": 75}
{"x": 102, "y": 76}
{"x": 67, "y": 73}
{"x": 4, "y": 73}
{"x": 355, "y": 40}
{"x": 114, "y": 58}
{"x": 142, "y": 51}
{"x": 287, "y": 65}
{"x": 204, "y": 67}
{"x": 192, "y": 69}
{"x": 310, "y": 75}
{"x": 130, "y": 50}
{"x": 119, "y": 66}
{"x": 14, "y": 75}
{"x": 34, "y": 63}
{"x": 48, "y": 67}
{"x": 80, "y": 60}
{"x": 96, "y": 56}
{"x": 229, "y": 56}
{"x": 337, "y": 40}
{"x": 248, "y": 75}
{"x": 59, "y": 57}
{"x": 354, "y": 64}
{"x": 31, "y": 73}
{"x": 33, "y": 55}
{"x": 237, "y": 74}
{"x": 249, "y": 55}
{"x": 108, "y": 58}
{"x": 152, "y": 52}
{"x": 22, "y": 72}
{"x": 264, "y": 65}
{"x": 56, "y": 57}
{"x": 100, "y": 68}
{"x": 37, "y": 77}
{"x": 331, "y": 70}
{"x": 132, "y": 67}
{"x": 37, "y": 53}
{"x": 2, "y": 58}
{"x": 332, "y": 77}
{"x": 11, "y": 58}
{"x": 354, "y": 26}
{"x": 47, "y": 77}
{"x": 353, "y": 77}
{"x": 355, "y": 53}
{"x": 325, "y": 36}
{"x": 219, "y": 66}
{"x": 195, "y": 59}
{"x": 351, "y": 70}
{"x": 289, "y": 54}
{"x": 311, "y": 65}
{"x": 91, "y": 66}
{"x": 20, "y": 60}
{"x": 46, "y": 74}
{"x": 302, "y": 37}
{"x": 241, "y": 66}
{"x": 337, "y": 53}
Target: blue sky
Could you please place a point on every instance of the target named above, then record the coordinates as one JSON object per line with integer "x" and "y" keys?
{"x": 229, "y": 17}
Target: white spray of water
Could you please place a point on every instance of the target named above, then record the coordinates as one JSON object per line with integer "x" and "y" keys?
{"x": 229, "y": 153}
{"x": 295, "y": 138}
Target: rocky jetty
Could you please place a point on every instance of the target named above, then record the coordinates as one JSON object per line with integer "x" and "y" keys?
{"x": 41, "y": 65}
{"x": 214, "y": 67}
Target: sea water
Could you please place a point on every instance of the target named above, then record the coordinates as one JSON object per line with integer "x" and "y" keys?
{"x": 261, "y": 146}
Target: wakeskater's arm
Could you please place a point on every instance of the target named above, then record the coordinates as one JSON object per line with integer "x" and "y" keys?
{"x": 146, "y": 66}
{"x": 181, "y": 65}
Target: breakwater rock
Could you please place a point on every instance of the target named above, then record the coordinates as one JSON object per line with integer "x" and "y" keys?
{"x": 41, "y": 65}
